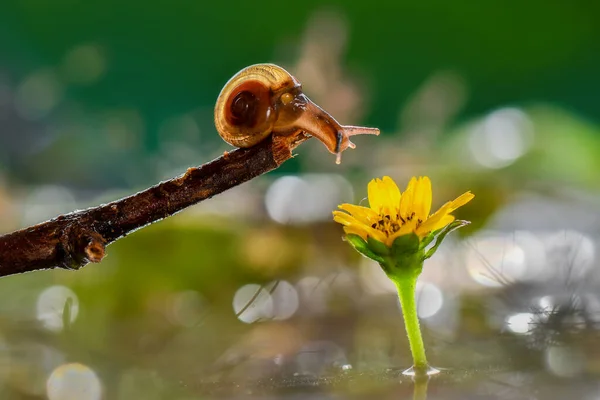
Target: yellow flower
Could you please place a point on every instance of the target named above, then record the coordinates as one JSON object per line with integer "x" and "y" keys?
{"x": 392, "y": 214}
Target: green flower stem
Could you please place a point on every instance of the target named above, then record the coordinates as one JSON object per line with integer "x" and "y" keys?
{"x": 406, "y": 285}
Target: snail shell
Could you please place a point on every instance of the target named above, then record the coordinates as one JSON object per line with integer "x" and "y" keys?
{"x": 265, "y": 99}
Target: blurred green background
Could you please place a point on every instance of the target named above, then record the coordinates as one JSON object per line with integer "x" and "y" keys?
{"x": 99, "y": 99}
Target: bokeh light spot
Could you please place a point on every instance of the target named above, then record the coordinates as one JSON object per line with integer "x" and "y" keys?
{"x": 519, "y": 323}
{"x": 38, "y": 94}
{"x": 314, "y": 294}
{"x": 495, "y": 260}
{"x": 502, "y": 137}
{"x": 429, "y": 299}
{"x": 564, "y": 361}
{"x": 285, "y": 299}
{"x": 84, "y": 64}
{"x": 252, "y": 302}
{"x": 47, "y": 201}
{"x": 73, "y": 382}
{"x": 57, "y": 306}
{"x": 306, "y": 199}
{"x": 186, "y": 308}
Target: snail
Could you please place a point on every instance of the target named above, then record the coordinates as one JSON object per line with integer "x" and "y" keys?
{"x": 265, "y": 99}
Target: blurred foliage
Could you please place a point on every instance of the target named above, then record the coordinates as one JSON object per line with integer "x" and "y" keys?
{"x": 169, "y": 58}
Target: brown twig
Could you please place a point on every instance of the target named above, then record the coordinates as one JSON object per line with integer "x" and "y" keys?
{"x": 72, "y": 240}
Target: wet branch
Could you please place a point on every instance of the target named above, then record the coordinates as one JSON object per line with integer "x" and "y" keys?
{"x": 72, "y": 240}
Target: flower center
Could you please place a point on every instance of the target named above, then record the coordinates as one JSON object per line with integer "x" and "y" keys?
{"x": 390, "y": 224}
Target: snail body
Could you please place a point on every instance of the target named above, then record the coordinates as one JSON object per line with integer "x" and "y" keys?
{"x": 265, "y": 99}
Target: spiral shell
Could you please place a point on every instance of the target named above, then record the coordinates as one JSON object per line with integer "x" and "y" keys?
{"x": 246, "y": 112}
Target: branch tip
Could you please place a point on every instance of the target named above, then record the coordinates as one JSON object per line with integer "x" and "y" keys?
{"x": 94, "y": 251}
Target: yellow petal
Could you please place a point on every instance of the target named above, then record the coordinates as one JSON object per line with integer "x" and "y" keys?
{"x": 440, "y": 223}
{"x": 355, "y": 230}
{"x": 391, "y": 195}
{"x": 435, "y": 218}
{"x": 376, "y": 201}
{"x": 384, "y": 196}
{"x": 441, "y": 217}
{"x": 406, "y": 201}
{"x": 461, "y": 200}
{"x": 346, "y": 219}
{"x": 422, "y": 198}
{"x": 353, "y": 224}
{"x": 363, "y": 214}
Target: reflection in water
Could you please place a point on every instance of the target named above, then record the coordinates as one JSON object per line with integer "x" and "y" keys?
{"x": 420, "y": 387}
{"x": 320, "y": 357}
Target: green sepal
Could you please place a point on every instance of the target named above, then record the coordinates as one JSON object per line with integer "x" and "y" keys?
{"x": 440, "y": 235}
{"x": 362, "y": 247}
{"x": 426, "y": 240}
{"x": 406, "y": 244}
{"x": 377, "y": 247}
{"x": 406, "y": 259}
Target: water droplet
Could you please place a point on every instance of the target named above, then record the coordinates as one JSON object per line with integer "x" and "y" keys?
{"x": 317, "y": 357}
